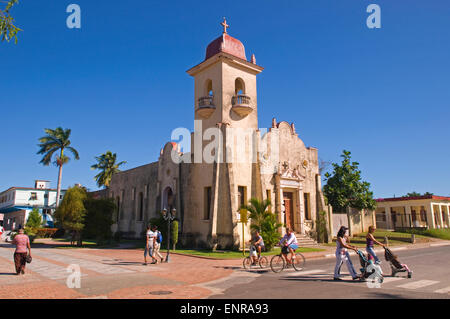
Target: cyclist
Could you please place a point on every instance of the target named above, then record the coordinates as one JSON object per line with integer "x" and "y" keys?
{"x": 289, "y": 244}
{"x": 257, "y": 245}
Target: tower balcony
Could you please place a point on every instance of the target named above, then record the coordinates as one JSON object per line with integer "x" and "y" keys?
{"x": 240, "y": 104}
{"x": 206, "y": 106}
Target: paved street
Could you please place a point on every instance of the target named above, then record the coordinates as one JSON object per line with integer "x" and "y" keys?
{"x": 119, "y": 273}
{"x": 431, "y": 279}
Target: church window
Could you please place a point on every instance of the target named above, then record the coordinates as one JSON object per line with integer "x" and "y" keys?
{"x": 141, "y": 206}
{"x": 242, "y": 195}
{"x": 207, "y": 206}
{"x": 209, "y": 89}
{"x": 269, "y": 196}
{"x": 239, "y": 86}
{"x": 117, "y": 208}
{"x": 123, "y": 197}
{"x": 307, "y": 206}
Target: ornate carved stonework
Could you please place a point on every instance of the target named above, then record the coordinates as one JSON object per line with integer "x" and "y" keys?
{"x": 286, "y": 170}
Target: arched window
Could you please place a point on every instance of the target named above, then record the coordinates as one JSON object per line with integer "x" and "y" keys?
{"x": 239, "y": 86}
{"x": 117, "y": 208}
{"x": 208, "y": 88}
{"x": 141, "y": 207}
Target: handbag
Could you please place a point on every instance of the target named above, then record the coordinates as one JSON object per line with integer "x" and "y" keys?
{"x": 28, "y": 259}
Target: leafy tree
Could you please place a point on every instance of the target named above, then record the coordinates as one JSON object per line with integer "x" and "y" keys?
{"x": 345, "y": 188}
{"x": 71, "y": 213}
{"x": 415, "y": 194}
{"x": 161, "y": 223}
{"x": 7, "y": 28}
{"x": 34, "y": 219}
{"x": 56, "y": 141}
{"x": 174, "y": 233}
{"x": 264, "y": 221}
{"x": 321, "y": 227}
{"x": 107, "y": 165}
{"x": 99, "y": 218}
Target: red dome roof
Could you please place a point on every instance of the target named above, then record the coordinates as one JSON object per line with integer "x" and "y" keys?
{"x": 227, "y": 44}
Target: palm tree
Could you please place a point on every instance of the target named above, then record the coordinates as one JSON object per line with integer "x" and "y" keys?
{"x": 56, "y": 140}
{"x": 264, "y": 221}
{"x": 107, "y": 165}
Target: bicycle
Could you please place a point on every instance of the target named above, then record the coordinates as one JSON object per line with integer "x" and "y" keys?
{"x": 278, "y": 262}
{"x": 248, "y": 264}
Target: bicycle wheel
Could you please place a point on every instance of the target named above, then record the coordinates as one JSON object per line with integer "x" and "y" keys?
{"x": 277, "y": 263}
{"x": 263, "y": 262}
{"x": 247, "y": 263}
{"x": 298, "y": 262}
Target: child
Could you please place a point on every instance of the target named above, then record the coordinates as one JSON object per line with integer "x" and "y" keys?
{"x": 395, "y": 261}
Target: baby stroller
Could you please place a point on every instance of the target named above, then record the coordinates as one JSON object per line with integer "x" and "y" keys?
{"x": 368, "y": 268}
{"x": 396, "y": 266}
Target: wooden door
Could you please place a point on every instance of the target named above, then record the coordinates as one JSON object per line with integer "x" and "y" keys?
{"x": 289, "y": 209}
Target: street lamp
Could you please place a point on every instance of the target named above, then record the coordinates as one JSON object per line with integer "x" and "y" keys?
{"x": 168, "y": 217}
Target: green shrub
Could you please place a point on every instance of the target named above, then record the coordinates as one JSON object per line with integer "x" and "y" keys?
{"x": 46, "y": 232}
{"x": 34, "y": 219}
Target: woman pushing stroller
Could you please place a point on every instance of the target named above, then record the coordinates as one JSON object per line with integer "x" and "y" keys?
{"x": 370, "y": 241}
{"x": 343, "y": 255}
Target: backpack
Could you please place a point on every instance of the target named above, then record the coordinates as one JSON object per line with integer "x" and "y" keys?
{"x": 159, "y": 237}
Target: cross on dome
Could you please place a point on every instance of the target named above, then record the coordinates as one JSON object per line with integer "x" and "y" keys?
{"x": 225, "y": 25}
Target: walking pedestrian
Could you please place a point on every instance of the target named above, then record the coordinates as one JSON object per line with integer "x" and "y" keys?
{"x": 149, "y": 245}
{"x": 22, "y": 243}
{"x": 370, "y": 240}
{"x": 342, "y": 255}
{"x": 158, "y": 240}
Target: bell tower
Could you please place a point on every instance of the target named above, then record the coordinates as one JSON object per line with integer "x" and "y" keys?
{"x": 225, "y": 85}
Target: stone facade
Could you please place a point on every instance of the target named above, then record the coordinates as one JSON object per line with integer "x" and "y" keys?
{"x": 249, "y": 162}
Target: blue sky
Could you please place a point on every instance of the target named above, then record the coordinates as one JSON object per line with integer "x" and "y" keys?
{"x": 120, "y": 84}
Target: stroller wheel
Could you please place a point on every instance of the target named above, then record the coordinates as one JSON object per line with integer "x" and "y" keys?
{"x": 409, "y": 274}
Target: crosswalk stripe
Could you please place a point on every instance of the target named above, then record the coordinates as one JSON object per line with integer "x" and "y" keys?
{"x": 303, "y": 273}
{"x": 391, "y": 279}
{"x": 418, "y": 284}
{"x": 443, "y": 290}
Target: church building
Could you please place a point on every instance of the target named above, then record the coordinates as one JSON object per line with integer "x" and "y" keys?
{"x": 248, "y": 162}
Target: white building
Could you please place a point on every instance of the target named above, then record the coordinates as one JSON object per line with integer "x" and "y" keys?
{"x": 17, "y": 202}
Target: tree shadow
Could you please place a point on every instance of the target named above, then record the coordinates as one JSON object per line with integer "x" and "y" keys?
{"x": 8, "y": 274}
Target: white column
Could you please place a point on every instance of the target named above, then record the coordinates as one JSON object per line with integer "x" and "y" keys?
{"x": 448, "y": 216}
{"x": 301, "y": 210}
{"x": 440, "y": 219}
{"x": 388, "y": 218}
{"x": 430, "y": 216}
{"x": 408, "y": 216}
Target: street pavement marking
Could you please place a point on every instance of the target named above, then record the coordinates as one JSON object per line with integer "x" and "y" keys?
{"x": 43, "y": 268}
{"x": 87, "y": 264}
{"x": 443, "y": 290}
{"x": 302, "y": 273}
{"x": 440, "y": 244}
{"x": 418, "y": 284}
{"x": 391, "y": 279}
{"x": 397, "y": 249}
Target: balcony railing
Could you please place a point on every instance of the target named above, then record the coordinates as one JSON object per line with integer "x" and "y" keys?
{"x": 206, "y": 107}
{"x": 206, "y": 101}
{"x": 240, "y": 100}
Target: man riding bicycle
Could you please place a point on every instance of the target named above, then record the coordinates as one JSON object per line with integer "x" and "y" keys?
{"x": 257, "y": 245}
{"x": 288, "y": 244}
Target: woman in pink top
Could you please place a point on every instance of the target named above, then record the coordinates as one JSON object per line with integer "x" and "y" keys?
{"x": 22, "y": 243}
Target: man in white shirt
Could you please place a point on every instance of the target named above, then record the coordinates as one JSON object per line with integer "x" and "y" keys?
{"x": 288, "y": 243}
{"x": 149, "y": 245}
